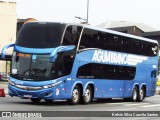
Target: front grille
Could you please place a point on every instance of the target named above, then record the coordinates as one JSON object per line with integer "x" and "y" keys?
{"x": 28, "y": 87}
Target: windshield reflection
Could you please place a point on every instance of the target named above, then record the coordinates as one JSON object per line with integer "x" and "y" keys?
{"x": 32, "y": 67}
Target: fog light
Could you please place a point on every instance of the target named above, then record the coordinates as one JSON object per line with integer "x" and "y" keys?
{"x": 49, "y": 93}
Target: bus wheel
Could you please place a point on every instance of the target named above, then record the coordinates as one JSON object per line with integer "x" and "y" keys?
{"x": 141, "y": 94}
{"x": 35, "y": 100}
{"x": 48, "y": 101}
{"x": 87, "y": 98}
{"x": 134, "y": 94}
{"x": 75, "y": 96}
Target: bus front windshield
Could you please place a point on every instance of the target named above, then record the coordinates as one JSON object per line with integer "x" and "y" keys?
{"x": 32, "y": 67}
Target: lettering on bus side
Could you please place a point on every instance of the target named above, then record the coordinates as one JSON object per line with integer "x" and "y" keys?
{"x": 117, "y": 58}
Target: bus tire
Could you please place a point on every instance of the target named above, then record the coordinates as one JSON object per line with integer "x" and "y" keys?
{"x": 141, "y": 94}
{"x": 134, "y": 97}
{"x": 35, "y": 100}
{"x": 75, "y": 96}
{"x": 87, "y": 97}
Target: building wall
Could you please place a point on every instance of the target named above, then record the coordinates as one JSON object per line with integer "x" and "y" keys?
{"x": 8, "y": 24}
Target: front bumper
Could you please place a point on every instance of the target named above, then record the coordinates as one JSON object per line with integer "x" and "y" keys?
{"x": 49, "y": 93}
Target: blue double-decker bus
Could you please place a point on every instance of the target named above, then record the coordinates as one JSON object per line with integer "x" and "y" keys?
{"x": 79, "y": 63}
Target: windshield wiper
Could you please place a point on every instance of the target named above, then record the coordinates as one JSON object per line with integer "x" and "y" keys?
{"x": 21, "y": 76}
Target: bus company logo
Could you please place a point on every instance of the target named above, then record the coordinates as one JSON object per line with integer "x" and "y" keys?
{"x": 18, "y": 82}
{"x": 117, "y": 58}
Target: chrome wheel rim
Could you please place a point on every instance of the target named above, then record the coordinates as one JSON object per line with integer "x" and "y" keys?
{"x": 87, "y": 95}
{"x": 141, "y": 94}
{"x": 134, "y": 95}
{"x": 75, "y": 95}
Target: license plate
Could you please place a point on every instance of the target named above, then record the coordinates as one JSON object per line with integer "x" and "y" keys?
{"x": 28, "y": 96}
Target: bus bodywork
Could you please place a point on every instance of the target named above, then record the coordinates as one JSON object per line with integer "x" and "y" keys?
{"x": 78, "y": 63}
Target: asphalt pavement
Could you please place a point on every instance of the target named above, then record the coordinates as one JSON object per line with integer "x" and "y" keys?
{"x": 25, "y": 104}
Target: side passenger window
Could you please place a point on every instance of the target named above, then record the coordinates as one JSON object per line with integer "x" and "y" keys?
{"x": 116, "y": 43}
{"x": 89, "y": 39}
{"x": 104, "y": 41}
{"x": 127, "y": 45}
{"x": 72, "y": 35}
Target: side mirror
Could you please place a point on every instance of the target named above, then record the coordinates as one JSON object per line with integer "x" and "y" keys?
{"x": 3, "y": 52}
{"x": 54, "y": 53}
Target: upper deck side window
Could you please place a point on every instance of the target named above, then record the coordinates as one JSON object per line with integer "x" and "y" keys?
{"x": 89, "y": 39}
{"x": 109, "y": 41}
{"x": 71, "y": 36}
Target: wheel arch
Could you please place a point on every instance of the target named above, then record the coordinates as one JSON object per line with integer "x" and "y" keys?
{"x": 79, "y": 84}
{"x": 136, "y": 85}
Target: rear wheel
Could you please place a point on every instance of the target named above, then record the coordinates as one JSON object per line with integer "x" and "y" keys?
{"x": 141, "y": 94}
{"x": 75, "y": 96}
{"x": 87, "y": 98}
{"x": 35, "y": 100}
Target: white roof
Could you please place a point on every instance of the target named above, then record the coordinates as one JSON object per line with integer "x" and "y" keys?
{"x": 115, "y": 24}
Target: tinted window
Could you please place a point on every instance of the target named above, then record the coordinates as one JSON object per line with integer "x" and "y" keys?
{"x": 40, "y": 35}
{"x": 108, "y": 41}
{"x": 104, "y": 41}
{"x": 72, "y": 35}
{"x": 127, "y": 45}
{"x": 104, "y": 71}
{"x": 116, "y": 43}
{"x": 137, "y": 47}
{"x": 144, "y": 48}
{"x": 65, "y": 63}
{"x": 89, "y": 39}
{"x": 153, "y": 49}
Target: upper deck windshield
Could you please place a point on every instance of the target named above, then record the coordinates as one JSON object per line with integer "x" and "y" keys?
{"x": 32, "y": 67}
{"x": 40, "y": 35}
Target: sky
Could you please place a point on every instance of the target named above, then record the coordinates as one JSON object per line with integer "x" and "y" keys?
{"x": 100, "y": 11}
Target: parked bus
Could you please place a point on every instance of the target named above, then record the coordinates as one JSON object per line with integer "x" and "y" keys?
{"x": 79, "y": 63}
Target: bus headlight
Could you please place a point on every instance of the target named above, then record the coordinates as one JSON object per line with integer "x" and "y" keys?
{"x": 45, "y": 86}
{"x": 51, "y": 85}
{"x": 11, "y": 83}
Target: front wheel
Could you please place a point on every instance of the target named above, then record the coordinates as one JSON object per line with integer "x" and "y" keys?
{"x": 75, "y": 96}
{"x": 87, "y": 98}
